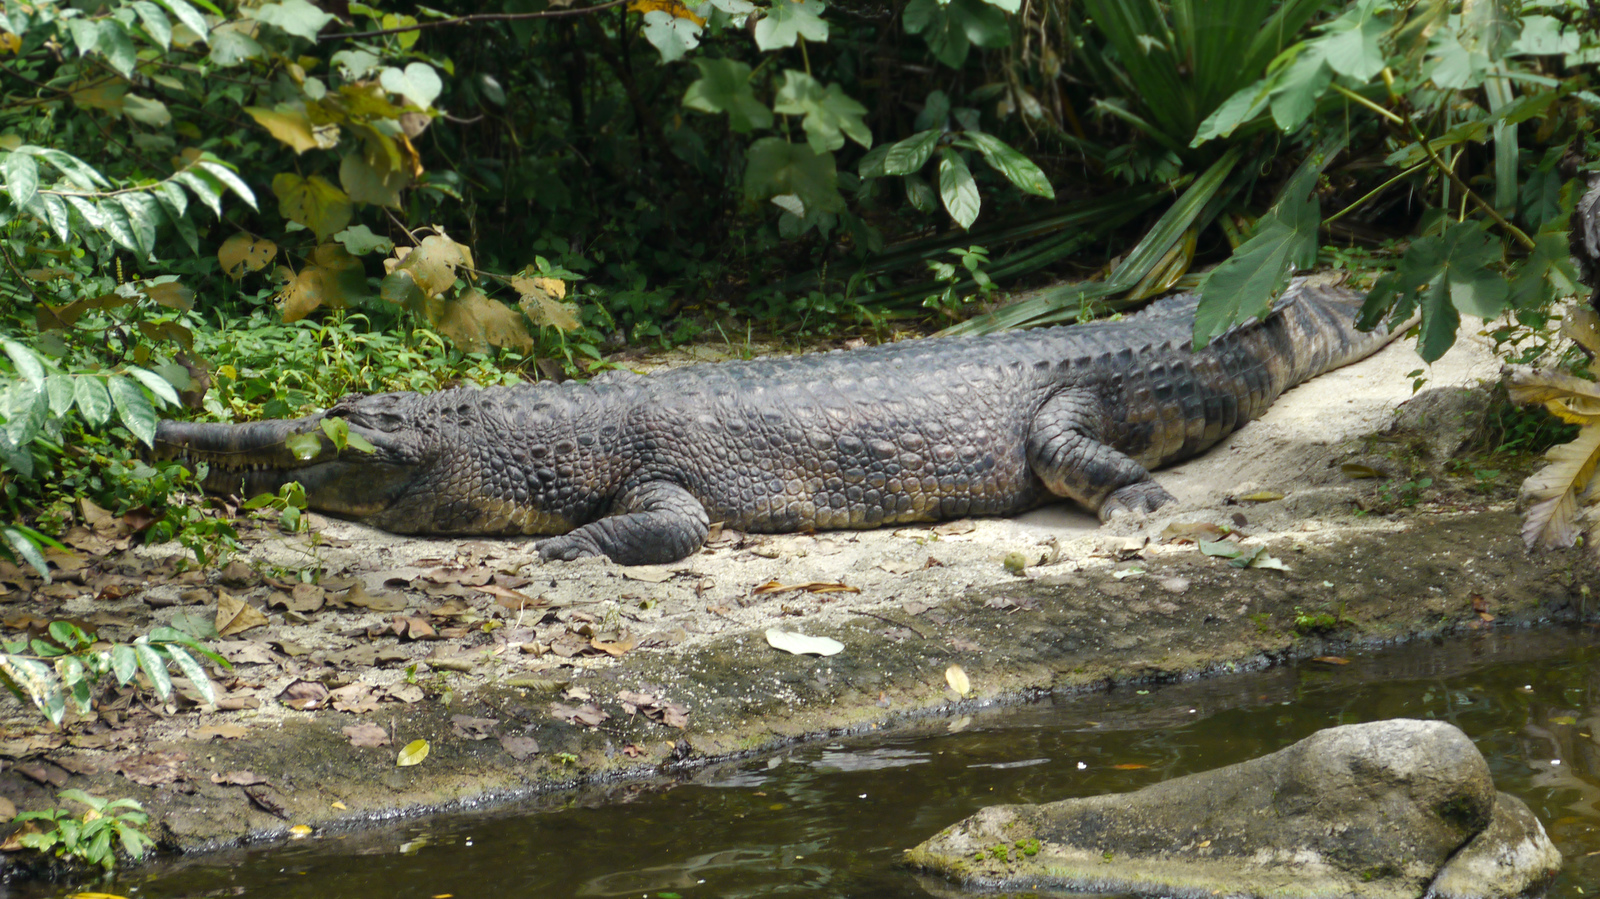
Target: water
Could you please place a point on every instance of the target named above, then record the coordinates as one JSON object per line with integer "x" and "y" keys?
{"x": 831, "y": 819}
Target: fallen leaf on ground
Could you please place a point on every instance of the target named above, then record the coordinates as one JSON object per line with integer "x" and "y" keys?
{"x": 153, "y": 769}
{"x": 413, "y": 629}
{"x": 304, "y": 695}
{"x": 1332, "y": 660}
{"x": 1261, "y": 496}
{"x": 519, "y": 748}
{"x": 358, "y": 596}
{"x": 588, "y": 714}
{"x": 1192, "y": 532}
{"x": 412, "y": 754}
{"x": 649, "y": 574}
{"x": 406, "y": 693}
{"x": 235, "y": 615}
{"x": 471, "y": 728}
{"x": 238, "y": 779}
{"x": 773, "y": 586}
{"x": 263, "y": 799}
{"x": 366, "y": 736}
{"x": 356, "y": 699}
{"x": 219, "y": 732}
{"x": 957, "y": 678}
{"x": 801, "y": 644}
{"x": 614, "y": 648}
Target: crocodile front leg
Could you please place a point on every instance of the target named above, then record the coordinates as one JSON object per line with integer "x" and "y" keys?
{"x": 1068, "y": 452}
{"x": 651, "y": 524}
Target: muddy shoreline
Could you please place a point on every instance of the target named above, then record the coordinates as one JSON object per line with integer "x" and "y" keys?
{"x": 526, "y": 677}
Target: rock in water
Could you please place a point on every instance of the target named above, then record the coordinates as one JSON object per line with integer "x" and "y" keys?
{"x": 1385, "y": 810}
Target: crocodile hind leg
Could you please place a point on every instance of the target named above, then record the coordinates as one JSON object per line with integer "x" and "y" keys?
{"x": 1068, "y": 452}
{"x": 654, "y": 523}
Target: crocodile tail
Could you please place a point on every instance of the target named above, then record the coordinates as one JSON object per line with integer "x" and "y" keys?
{"x": 1322, "y": 331}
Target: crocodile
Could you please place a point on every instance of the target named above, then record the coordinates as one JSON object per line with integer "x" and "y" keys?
{"x": 637, "y": 467}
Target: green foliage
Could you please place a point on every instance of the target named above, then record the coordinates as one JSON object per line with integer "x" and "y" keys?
{"x": 94, "y": 836}
{"x": 67, "y": 666}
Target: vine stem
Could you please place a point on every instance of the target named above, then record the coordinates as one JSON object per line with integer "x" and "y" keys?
{"x": 1438, "y": 163}
{"x": 473, "y": 19}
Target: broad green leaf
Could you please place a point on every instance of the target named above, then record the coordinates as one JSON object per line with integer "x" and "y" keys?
{"x": 26, "y": 361}
{"x": 1245, "y": 284}
{"x": 55, "y": 212}
{"x": 984, "y": 24}
{"x": 871, "y": 165}
{"x": 155, "y": 668}
{"x": 1545, "y": 274}
{"x": 157, "y": 385}
{"x": 1543, "y": 36}
{"x": 305, "y": 447}
{"x": 297, "y": 17}
{"x": 356, "y": 64}
{"x": 188, "y": 15}
{"x": 124, "y": 662}
{"x": 365, "y": 184}
{"x": 312, "y": 202}
{"x": 787, "y": 21}
{"x": 232, "y": 46}
{"x": 830, "y": 115}
{"x": 1010, "y": 6}
{"x": 920, "y": 193}
{"x": 144, "y": 217}
{"x": 21, "y": 173}
{"x": 146, "y": 111}
{"x": 1243, "y": 106}
{"x": 1350, "y": 42}
{"x": 155, "y": 22}
{"x": 418, "y": 83}
{"x": 137, "y": 415}
{"x": 80, "y": 173}
{"x": 776, "y": 167}
{"x": 724, "y": 86}
{"x": 59, "y": 389}
{"x": 85, "y": 35}
{"x": 359, "y": 240}
{"x": 112, "y": 218}
{"x": 1018, "y": 169}
{"x": 216, "y": 169}
{"x": 94, "y": 402}
{"x": 1454, "y": 66}
{"x": 1299, "y": 88}
{"x": 671, "y": 35}
{"x": 26, "y": 550}
{"x": 946, "y": 40}
{"x": 194, "y": 672}
{"x": 118, "y": 47}
{"x": 911, "y": 154}
{"x": 204, "y": 186}
{"x": 957, "y": 189}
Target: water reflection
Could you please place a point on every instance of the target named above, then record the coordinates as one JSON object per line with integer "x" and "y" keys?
{"x": 831, "y": 820}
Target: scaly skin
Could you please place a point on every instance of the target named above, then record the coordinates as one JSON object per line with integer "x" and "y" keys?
{"x": 635, "y": 468}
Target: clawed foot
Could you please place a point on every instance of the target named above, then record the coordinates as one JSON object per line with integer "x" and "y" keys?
{"x": 568, "y": 548}
{"x": 1137, "y": 499}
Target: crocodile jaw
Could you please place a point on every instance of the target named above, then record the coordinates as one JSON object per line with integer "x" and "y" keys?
{"x": 251, "y": 459}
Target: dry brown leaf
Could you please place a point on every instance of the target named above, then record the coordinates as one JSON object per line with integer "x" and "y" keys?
{"x": 623, "y": 644}
{"x": 588, "y": 714}
{"x": 366, "y": 736}
{"x": 238, "y": 779}
{"x": 1332, "y": 660}
{"x": 235, "y": 616}
{"x": 773, "y": 586}
{"x": 519, "y": 748}
{"x": 358, "y": 596}
{"x": 304, "y": 695}
{"x": 219, "y": 732}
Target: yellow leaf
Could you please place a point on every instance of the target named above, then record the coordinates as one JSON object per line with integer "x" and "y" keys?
{"x": 366, "y": 184}
{"x": 334, "y": 279}
{"x": 667, "y": 6}
{"x": 553, "y": 286}
{"x": 301, "y": 831}
{"x": 107, "y": 95}
{"x": 1582, "y": 324}
{"x": 9, "y": 43}
{"x": 1261, "y": 496}
{"x": 413, "y": 754}
{"x": 957, "y": 679}
{"x": 289, "y": 125}
{"x": 1569, "y": 398}
{"x": 313, "y": 202}
{"x": 473, "y": 322}
{"x": 170, "y": 294}
{"x": 433, "y": 263}
{"x": 1551, "y": 494}
{"x": 542, "y": 306}
{"x": 242, "y": 253}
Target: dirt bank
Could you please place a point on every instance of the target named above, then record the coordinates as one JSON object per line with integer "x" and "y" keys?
{"x": 522, "y": 676}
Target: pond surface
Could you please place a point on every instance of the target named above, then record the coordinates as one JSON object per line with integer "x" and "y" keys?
{"x": 831, "y": 819}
